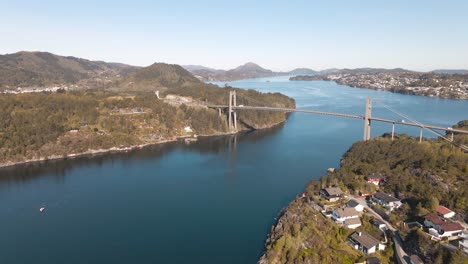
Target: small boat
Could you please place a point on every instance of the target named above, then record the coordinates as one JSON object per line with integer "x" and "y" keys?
{"x": 42, "y": 209}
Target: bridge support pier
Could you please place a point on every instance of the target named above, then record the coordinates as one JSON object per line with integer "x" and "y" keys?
{"x": 420, "y": 134}
{"x": 367, "y": 121}
{"x": 232, "y": 116}
{"x": 393, "y": 131}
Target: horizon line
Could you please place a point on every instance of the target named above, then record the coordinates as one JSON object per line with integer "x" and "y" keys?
{"x": 224, "y": 69}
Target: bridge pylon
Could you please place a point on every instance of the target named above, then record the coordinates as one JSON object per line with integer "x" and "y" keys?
{"x": 232, "y": 115}
{"x": 367, "y": 119}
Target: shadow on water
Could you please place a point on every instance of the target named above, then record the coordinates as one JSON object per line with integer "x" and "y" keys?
{"x": 59, "y": 169}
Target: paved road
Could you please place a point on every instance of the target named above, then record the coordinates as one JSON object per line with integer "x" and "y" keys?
{"x": 401, "y": 255}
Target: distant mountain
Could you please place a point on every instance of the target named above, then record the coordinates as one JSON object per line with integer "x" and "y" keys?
{"x": 328, "y": 71}
{"x": 159, "y": 76}
{"x": 44, "y": 69}
{"x": 245, "y": 71}
{"x": 442, "y": 71}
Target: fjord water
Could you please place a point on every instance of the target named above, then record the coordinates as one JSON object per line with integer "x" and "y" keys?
{"x": 213, "y": 201}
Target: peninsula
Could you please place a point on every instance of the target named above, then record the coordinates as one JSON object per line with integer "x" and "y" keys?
{"x": 389, "y": 201}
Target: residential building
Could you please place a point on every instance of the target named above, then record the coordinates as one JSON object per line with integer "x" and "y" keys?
{"x": 364, "y": 242}
{"x": 463, "y": 243}
{"x": 445, "y": 212}
{"x": 352, "y": 223}
{"x": 354, "y": 204}
{"x": 375, "y": 178}
{"x": 342, "y": 214}
{"x": 432, "y": 220}
{"x": 439, "y": 227}
{"x": 386, "y": 200}
{"x": 332, "y": 194}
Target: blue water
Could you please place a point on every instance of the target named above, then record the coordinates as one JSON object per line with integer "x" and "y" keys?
{"x": 210, "y": 202}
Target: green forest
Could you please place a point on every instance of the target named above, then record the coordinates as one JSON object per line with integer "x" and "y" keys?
{"x": 423, "y": 175}
{"x": 41, "y": 125}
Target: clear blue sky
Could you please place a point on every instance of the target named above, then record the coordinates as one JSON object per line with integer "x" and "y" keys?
{"x": 280, "y": 35}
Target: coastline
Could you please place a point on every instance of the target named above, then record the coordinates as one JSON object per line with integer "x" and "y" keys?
{"x": 405, "y": 92}
{"x": 123, "y": 150}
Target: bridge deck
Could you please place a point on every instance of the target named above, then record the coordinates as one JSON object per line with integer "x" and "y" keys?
{"x": 400, "y": 122}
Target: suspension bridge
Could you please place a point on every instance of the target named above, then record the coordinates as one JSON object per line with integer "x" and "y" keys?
{"x": 232, "y": 108}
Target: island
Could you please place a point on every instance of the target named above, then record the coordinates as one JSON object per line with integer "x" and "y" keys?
{"x": 391, "y": 201}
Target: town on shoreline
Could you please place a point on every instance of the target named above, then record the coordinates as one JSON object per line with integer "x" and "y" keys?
{"x": 453, "y": 86}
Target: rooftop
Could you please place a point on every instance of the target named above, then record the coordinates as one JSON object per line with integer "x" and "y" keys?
{"x": 375, "y": 176}
{"x": 333, "y": 191}
{"x": 434, "y": 218}
{"x": 443, "y": 210}
{"x": 352, "y": 203}
{"x": 346, "y": 212}
{"x": 449, "y": 226}
{"x": 385, "y": 197}
{"x": 365, "y": 239}
{"x": 352, "y": 221}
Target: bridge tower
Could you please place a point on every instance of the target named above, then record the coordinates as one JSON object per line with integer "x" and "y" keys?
{"x": 367, "y": 121}
{"x": 232, "y": 115}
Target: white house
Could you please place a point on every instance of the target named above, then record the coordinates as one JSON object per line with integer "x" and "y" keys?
{"x": 188, "y": 129}
{"x": 363, "y": 241}
{"x": 439, "y": 227}
{"x": 352, "y": 223}
{"x": 354, "y": 204}
{"x": 342, "y": 214}
{"x": 386, "y": 200}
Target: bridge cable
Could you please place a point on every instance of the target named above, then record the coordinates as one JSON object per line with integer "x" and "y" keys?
{"x": 421, "y": 124}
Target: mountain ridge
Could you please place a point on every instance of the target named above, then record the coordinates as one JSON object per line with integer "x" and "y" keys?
{"x": 38, "y": 69}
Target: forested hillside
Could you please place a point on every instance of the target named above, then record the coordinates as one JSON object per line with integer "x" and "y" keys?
{"x": 108, "y": 105}
{"x": 423, "y": 175}
{"x": 40, "y": 69}
{"x": 40, "y": 125}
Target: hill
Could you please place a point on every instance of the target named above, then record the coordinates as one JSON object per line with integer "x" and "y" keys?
{"x": 159, "y": 76}
{"x": 245, "y": 71}
{"x": 39, "y": 69}
{"x": 446, "y": 71}
{"x": 302, "y": 71}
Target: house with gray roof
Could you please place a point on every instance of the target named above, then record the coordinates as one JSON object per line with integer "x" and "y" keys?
{"x": 354, "y": 204}
{"x": 386, "y": 200}
{"x": 364, "y": 242}
{"x": 332, "y": 194}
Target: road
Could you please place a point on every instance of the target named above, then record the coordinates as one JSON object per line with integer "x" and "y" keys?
{"x": 401, "y": 255}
